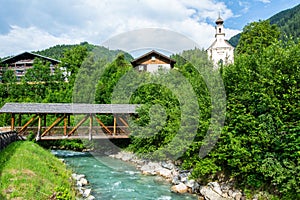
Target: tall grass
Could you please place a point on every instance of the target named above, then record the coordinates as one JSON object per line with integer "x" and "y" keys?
{"x": 30, "y": 172}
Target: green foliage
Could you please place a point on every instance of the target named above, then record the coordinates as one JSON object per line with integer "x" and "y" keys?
{"x": 62, "y": 193}
{"x": 9, "y": 77}
{"x": 260, "y": 142}
{"x": 110, "y": 77}
{"x": 256, "y": 36}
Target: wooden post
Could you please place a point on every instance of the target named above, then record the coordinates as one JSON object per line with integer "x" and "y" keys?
{"x": 115, "y": 126}
{"x": 91, "y": 127}
{"x": 65, "y": 125}
{"x": 38, "y": 135}
{"x": 12, "y": 122}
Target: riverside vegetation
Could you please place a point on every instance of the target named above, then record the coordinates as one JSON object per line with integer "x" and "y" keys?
{"x": 30, "y": 172}
{"x": 258, "y": 148}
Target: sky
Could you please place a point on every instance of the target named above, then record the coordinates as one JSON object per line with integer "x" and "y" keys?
{"x": 36, "y": 25}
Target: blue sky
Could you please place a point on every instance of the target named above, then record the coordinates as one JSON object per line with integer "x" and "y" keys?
{"x": 36, "y": 25}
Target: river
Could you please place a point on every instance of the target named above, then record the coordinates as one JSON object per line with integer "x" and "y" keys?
{"x": 115, "y": 179}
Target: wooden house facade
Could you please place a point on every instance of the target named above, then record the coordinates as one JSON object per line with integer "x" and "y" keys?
{"x": 152, "y": 62}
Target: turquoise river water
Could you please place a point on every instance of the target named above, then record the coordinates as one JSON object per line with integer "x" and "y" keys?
{"x": 114, "y": 179}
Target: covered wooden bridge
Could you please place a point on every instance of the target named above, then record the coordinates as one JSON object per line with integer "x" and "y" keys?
{"x": 53, "y": 120}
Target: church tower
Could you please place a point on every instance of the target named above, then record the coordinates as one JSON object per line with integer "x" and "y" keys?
{"x": 220, "y": 52}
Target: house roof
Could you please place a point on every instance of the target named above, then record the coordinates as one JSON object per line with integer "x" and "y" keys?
{"x": 28, "y": 55}
{"x": 68, "y": 108}
{"x": 149, "y": 55}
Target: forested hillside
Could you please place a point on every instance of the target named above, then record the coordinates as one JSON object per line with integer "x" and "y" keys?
{"x": 288, "y": 22}
{"x": 57, "y": 51}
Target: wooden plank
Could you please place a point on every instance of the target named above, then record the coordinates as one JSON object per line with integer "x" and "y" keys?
{"x": 58, "y": 120}
{"x": 79, "y": 124}
{"x": 102, "y": 125}
{"x": 25, "y": 126}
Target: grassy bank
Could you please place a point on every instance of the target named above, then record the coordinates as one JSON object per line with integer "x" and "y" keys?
{"x": 30, "y": 172}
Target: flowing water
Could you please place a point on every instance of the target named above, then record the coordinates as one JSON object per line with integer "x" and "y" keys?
{"x": 114, "y": 179}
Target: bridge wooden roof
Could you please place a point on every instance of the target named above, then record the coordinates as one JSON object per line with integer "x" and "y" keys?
{"x": 68, "y": 108}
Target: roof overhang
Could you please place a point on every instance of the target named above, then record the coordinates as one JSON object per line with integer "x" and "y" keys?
{"x": 68, "y": 108}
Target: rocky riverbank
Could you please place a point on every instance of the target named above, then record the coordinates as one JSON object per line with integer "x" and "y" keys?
{"x": 81, "y": 186}
{"x": 180, "y": 179}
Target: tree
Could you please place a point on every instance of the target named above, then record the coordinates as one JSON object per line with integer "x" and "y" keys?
{"x": 256, "y": 36}
{"x": 72, "y": 61}
{"x": 40, "y": 72}
{"x": 9, "y": 76}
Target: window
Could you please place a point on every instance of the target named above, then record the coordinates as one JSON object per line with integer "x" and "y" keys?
{"x": 220, "y": 30}
{"x": 153, "y": 58}
{"x": 141, "y": 67}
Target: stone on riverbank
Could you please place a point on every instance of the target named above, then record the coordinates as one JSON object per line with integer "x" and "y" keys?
{"x": 80, "y": 182}
{"x": 180, "y": 188}
{"x": 210, "y": 194}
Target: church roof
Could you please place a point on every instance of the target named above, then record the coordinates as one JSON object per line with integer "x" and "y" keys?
{"x": 219, "y": 20}
{"x": 213, "y": 44}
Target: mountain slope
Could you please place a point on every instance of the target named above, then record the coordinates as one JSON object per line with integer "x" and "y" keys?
{"x": 288, "y": 22}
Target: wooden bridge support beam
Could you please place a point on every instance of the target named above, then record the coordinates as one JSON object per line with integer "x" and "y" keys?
{"x": 65, "y": 125}
{"x": 103, "y": 125}
{"x": 91, "y": 127}
{"x": 58, "y": 120}
{"x": 123, "y": 121}
{"x": 38, "y": 135}
{"x": 12, "y": 128}
{"x": 115, "y": 125}
{"x": 27, "y": 123}
{"x": 79, "y": 124}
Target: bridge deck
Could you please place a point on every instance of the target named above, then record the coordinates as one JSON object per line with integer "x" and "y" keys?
{"x": 94, "y": 137}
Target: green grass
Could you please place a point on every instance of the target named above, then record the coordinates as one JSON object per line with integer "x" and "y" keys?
{"x": 29, "y": 172}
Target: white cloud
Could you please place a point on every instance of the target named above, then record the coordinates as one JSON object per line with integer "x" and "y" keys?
{"x": 265, "y": 1}
{"x": 95, "y": 21}
{"x": 28, "y": 39}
